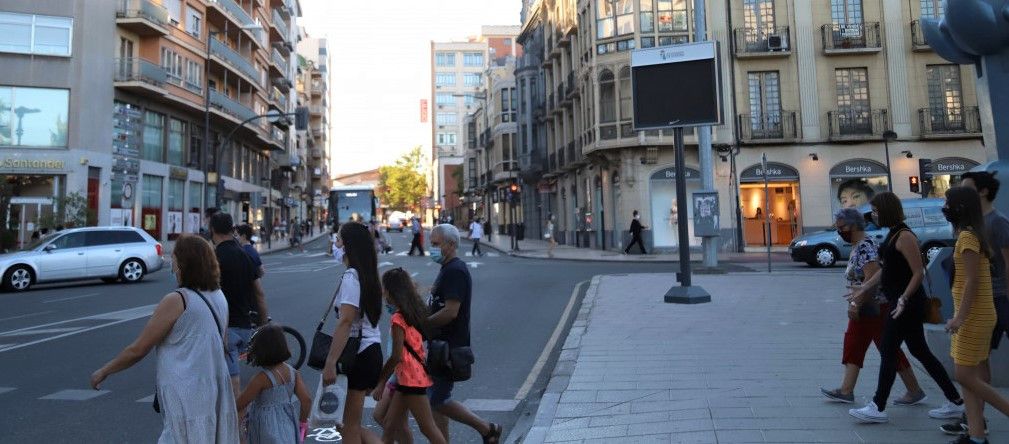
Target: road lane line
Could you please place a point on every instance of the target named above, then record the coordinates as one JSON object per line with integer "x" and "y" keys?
{"x": 41, "y": 331}
{"x": 116, "y": 317}
{"x": 25, "y": 315}
{"x": 545, "y": 355}
{"x": 71, "y": 298}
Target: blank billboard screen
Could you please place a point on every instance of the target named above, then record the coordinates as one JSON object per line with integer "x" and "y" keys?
{"x": 676, "y": 94}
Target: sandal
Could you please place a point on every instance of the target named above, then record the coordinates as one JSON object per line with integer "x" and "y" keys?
{"x": 494, "y": 435}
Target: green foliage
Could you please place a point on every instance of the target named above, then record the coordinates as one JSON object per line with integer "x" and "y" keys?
{"x": 401, "y": 186}
{"x": 70, "y": 211}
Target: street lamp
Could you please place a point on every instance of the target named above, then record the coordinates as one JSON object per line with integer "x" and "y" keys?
{"x": 268, "y": 181}
{"x": 888, "y": 136}
{"x": 20, "y": 112}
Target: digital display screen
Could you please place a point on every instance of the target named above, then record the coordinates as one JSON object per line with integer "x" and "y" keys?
{"x": 676, "y": 94}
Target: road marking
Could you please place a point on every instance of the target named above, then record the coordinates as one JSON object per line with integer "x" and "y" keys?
{"x": 493, "y": 255}
{"x": 385, "y": 264}
{"x": 7, "y": 389}
{"x": 115, "y": 317}
{"x": 315, "y": 254}
{"x": 71, "y": 298}
{"x": 401, "y": 253}
{"x": 535, "y": 373}
{"x": 414, "y": 274}
{"x": 42, "y": 331}
{"x": 492, "y": 405}
{"x": 474, "y": 264}
{"x": 147, "y": 399}
{"x": 75, "y": 395}
{"x": 25, "y": 315}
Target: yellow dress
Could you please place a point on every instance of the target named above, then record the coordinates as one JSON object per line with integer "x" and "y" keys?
{"x": 972, "y": 343}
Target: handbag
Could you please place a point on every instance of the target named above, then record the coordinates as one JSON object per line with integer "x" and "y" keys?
{"x": 156, "y": 404}
{"x": 455, "y": 363}
{"x": 321, "y": 342}
{"x": 933, "y": 307}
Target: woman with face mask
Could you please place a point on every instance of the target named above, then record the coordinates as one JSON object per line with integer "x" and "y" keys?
{"x": 865, "y": 321}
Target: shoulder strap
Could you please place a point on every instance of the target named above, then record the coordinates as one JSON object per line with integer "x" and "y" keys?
{"x": 414, "y": 353}
{"x": 269, "y": 375}
{"x": 213, "y": 313}
{"x": 325, "y": 313}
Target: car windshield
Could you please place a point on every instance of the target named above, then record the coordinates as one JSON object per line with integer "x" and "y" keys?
{"x": 37, "y": 242}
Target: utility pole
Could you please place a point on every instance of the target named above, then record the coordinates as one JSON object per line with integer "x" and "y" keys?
{"x": 708, "y": 244}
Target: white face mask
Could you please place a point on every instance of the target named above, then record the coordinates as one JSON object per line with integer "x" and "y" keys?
{"x": 254, "y": 239}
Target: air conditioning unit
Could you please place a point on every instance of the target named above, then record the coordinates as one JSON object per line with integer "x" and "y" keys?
{"x": 776, "y": 42}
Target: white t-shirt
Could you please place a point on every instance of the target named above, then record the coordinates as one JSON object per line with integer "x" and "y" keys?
{"x": 475, "y": 230}
{"x": 350, "y": 294}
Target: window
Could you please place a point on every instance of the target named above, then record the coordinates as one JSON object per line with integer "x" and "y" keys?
{"x": 151, "y": 192}
{"x": 469, "y": 99}
{"x": 97, "y": 238}
{"x": 933, "y": 9}
{"x": 647, "y": 19}
{"x": 194, "y": 76}
{"x": 174, "y": 8}
{"x": 444, "y": 99}
{"x": 853, "y": 116}
{"x": 765, "y": 104}
{"x": 758, "y": 17}
{"x": 33, "y": 117}
{"x": 945, "y": 102}
{"x": 176, "y": 194}
{"x": 846, "y": 12}
{"x": 607, "y": 98}
{"x": 195, "y": 195}
{"x": 195, "y": 146}
{"x": 472, "y": 59}
{"x": 672, "y": 40}
{"x": 444, "y": 59}
{"x": 446, "y": 118}
{"x": 172, "y": 62}
{"x": 672, "y": 15}
{"x": 648, "y": 42}
{"x": 605, "y": 23}
{"x": 626, "y": 105}
{"x": 444, "y": 79}
{"x": 505, "y": 103}
{"x": 176, "y": 136}
{"x": 70, "y": 240}
{"x": 35, "y": 34}
{"x": 194, "y": 21}
{"x": 471, "y": 79}
{"x": 446, "y": 139}
{"x": 154, "y": 136}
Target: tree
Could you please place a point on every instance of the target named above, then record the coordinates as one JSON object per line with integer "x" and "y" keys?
{"x": 401, "y": 186}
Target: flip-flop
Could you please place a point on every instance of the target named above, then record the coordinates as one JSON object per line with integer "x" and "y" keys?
{"x": 494, "y": 435}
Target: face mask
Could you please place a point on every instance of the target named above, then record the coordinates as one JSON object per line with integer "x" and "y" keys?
{"x": 845, "y": 235}
{"x": 952, "y": 215}
{"x": 436, "y": 255}
{"x": 254, "y": 239}
{"x": 338, "y": 253}
{"x": 637, "y": 217}
{"x": 389, "y": 308}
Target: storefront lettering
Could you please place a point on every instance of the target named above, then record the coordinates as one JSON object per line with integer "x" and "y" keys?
{"x": 950, "y": 167}
{"x": 26, "y": 164}
{"x": 858, "y": 169}
{"x": 770, "y": 172}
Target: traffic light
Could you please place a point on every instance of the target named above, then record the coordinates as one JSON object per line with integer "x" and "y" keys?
{"x": 915, "y": 184}
{"x": 301, "y": 118}
{"x": 514, "y": 188}
{"x": 513, "y": 192}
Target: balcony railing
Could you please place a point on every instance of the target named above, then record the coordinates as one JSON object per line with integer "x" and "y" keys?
{"x": 918, "y": 42}
{"x": 857, "y": 123}
{"x": 770, "y": 126}
{"x": 234, "y": 59}
{"x": 751, "y": 42}
{"x": 851, "y": 38}
{"x": 279, "y": 60}
{"x": 140, "y": 70}
{"x": 155, "y": 15}
{"x": 316, "y": 109}
{"x": 570, "y": 84}
{"x": 948, "y": 122}
{"x": 279, "y": 99}
{"x": 627, "y": 130}
{"x": 278, "y": 136}
{"x": 230, "y": 106}
{"x": 318, "y": 87}
{"x": 236, "y": 12}
{"x": 281, "y": 24}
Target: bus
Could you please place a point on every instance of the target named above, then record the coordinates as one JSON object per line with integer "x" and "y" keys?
{"x": 352, "y": 202}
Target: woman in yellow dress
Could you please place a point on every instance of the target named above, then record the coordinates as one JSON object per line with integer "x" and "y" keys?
{"x": 974, "y": 315}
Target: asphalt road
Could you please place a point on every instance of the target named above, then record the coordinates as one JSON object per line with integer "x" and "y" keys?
{"x": 53, "y": 337}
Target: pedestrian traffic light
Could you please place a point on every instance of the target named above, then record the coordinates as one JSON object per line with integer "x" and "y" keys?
{"x": 915, "y": 184}
{"x": 514, "y": 188}
{"x": 301, "y": 118}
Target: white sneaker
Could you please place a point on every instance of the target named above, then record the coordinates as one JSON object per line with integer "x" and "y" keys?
{"x": 869, "y": 413}
{"x": 947, "y": 411}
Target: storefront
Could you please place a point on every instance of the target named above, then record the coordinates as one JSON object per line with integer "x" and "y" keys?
{"x": 946, "y": 172}
{"x": 29, "y": 210}
{"x": 853, "y": 183}
{"x": 780, "y": 203}
{"x": 662, "y": 195}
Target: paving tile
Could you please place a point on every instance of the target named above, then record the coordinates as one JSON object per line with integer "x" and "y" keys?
{"x": 740, "y": 436}
{"x": 587, "y": 433}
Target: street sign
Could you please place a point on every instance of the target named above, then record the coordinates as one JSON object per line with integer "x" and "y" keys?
{"x": 676, "y": 86}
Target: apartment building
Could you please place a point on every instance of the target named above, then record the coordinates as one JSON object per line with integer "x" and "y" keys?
{"x": 822, "y": 88}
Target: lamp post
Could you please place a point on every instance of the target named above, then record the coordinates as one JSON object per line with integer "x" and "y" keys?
{"x": 269, "y": 208}
{"x": 20, "y": 112}
{"x": 888, "y": 136}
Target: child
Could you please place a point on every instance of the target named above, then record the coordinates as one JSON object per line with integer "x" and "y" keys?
{"x": 407, "y": 360}
{"x": 272, "y": 414}
{"x": 400, "y": 434}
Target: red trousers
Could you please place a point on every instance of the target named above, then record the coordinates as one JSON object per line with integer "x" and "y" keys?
{"x": 867, "y": 329}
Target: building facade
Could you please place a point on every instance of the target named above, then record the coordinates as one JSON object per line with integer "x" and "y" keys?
{"x": 313, "y": 88}
{"x": 111, "y": 101}
{"x": 814, "y": 86}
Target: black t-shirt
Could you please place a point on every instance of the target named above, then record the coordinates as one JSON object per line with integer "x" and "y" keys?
{"x": 453, "y": 283}
{"x": 237, "y": 275}
{"x": 636, "y": 227}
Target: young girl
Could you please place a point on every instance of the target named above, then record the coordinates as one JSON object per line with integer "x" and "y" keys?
{"x": 407, "y": 360}
{"x": 272, "y": 414}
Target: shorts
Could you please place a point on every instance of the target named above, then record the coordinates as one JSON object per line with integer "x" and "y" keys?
{"x": 440, "y": 392}
{"x": 238, "y": 343}
{"x": 419, "y": 391}
{"x": 1001, "y": 322}
{"x": 363, "y": 375}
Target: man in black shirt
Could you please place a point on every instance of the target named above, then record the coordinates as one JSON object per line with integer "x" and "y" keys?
{"x": 636, "y": 229}
{"x": 450, "y": 308}
{"x": 241, "y": 287}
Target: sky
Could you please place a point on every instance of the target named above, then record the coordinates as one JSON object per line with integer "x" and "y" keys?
{"x": 380, "y": 68}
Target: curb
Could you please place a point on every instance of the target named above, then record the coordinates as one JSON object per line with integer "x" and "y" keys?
{"x": 290, "y": 247}
{"x": 563, "y": 369}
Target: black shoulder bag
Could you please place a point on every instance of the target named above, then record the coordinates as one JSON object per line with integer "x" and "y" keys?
{"x": 321, "y": 342}
{"x": 455, "y": 363}
{"x": 156, "y": 404}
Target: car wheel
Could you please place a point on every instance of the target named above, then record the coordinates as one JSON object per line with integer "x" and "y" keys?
{"x": 18, "y": 278}
{"x": 110, "y": 280}
{"x": 825, "y": 257}
{"x": 132, "y": 271}
{"x": 930, "y": 251}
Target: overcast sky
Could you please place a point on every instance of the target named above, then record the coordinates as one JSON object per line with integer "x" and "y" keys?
{"x": 381, "y": 68}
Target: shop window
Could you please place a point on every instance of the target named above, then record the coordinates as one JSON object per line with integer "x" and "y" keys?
{"x": 176, "y": 136}
{"x": 154, "y": 137}
{"x": 33, "y": 117}
{"x": 151, "y": 205}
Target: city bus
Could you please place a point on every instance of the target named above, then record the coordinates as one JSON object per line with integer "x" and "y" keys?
{"x": 352, "y": 202}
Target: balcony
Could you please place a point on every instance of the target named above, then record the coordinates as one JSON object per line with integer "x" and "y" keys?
{"x": 316, "y": 110}
{"x": 279, "y": 137}
{"x": 317, "y": 153}
{"x": 857, "y": 124}
{"x": 230, "y": 106}
{"x": 139, "y": 75}
{"x": 318, "y": 87}
{"x": 233, "y": 11}
{"x": 278, "y": 99}
{"x": 627, "y": 131}
{"x": 279, "y": 62}
{"x": 938, "y": 123}
{"x": 142, "y": 17}
{"x": 852, "y": 38}
{"x": 317, "y": 132}
{"x": 755, "y": 43}
{"x": 281, "y": 25}
{"x": 918, "y": 42}
{"x": 570, "y": 90}
{"x": 771, "y": 127}
{"x": 234, "y": 60}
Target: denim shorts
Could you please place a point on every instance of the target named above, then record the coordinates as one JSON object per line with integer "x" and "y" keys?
{"x": 238, "y": 342}
{"x": 440, "y": 391}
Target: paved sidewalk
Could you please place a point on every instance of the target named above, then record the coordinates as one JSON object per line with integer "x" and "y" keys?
{"x": 746, "y": 367}
{"x": 277, "y": 244}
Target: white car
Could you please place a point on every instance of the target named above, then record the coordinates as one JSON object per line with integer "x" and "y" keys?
{"x": 395, "y": 221}
{"x": 107, "y": 253}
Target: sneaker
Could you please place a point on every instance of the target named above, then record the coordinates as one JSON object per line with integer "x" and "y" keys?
{"x": 836, "y": 395}
{"x": 965, "y": 439}
{"x": 870, "y": 413}
{"x": 911, "y": 398}
{"x": 955, "y": 428}
{"x": 948, "y": 410}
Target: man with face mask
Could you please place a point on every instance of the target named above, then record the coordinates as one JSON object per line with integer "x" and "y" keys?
{"x": 636, "y": 229}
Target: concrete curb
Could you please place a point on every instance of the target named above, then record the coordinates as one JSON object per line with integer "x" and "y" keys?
{"x": 565, "y": 367}
{"x": 697, "y": 268}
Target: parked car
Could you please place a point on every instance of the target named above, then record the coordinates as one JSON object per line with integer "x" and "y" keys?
{"x": 111, "y": 254}
{"x": 395, "y": 221}
{"x": 923, "y": 216}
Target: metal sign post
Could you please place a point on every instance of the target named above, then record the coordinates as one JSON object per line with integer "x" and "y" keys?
{"x": 767, "y": 209}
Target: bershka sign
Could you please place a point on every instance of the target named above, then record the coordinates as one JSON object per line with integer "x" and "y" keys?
{"x": 775, "y": 171}
{"x": 951, "y": 166}
{"x": 858, "y": 168}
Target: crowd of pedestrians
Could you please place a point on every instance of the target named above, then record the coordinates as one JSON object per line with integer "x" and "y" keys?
{"x": 887, "y": 305}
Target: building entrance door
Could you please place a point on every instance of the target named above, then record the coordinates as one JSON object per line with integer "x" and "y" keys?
{"x": 24, "y": 216}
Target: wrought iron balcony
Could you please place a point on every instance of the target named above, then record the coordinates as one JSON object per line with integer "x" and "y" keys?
{"x": 851, "y": 38}
{"x": 142, "y": 17}
{"x": 281, "y": 25}
{"x": 230, "y": 106}
{"x": 857, "y": 124}
{"x": 135, "y": 70}
{"x": 943, "y": 122}
{"x": 918, "y": 42}
{"x": 235, "y": 12}
{"x": 233, "y": 59}
{"x": 779, "y": 126}
{"x": 751, "y": 43}
{"x": 279, "y": 61}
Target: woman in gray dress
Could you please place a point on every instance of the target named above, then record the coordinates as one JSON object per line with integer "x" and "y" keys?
{"x": 192, "y": 384}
